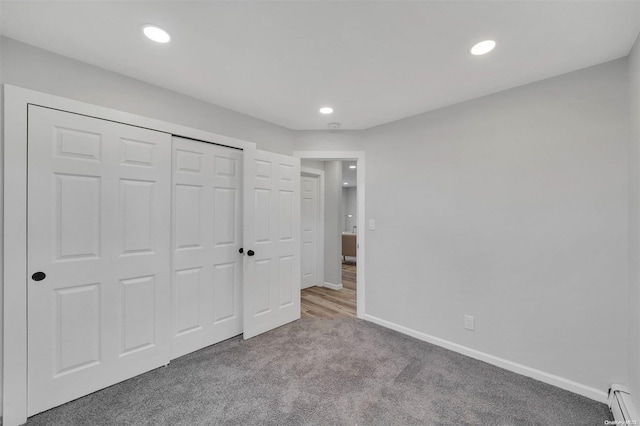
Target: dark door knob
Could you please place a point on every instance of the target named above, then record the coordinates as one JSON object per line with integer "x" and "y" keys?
{"x": 250, "y": 253}
{"x": 38, "y": 276}
{"x": 241, "y": 250}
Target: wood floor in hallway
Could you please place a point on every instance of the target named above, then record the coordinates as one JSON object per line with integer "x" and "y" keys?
{"x": 322, "y": 302}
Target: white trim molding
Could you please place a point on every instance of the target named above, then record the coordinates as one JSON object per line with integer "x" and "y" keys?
{"x": 358, "y": 157}
{"x": 543, "y": 376}
{"x": 332, "y": 286}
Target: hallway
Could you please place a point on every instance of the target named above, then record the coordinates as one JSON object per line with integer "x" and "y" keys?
{"x": 322, "y": 302}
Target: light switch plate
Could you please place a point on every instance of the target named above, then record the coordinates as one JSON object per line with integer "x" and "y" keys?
{"x": 469, "y": 322}
{"x": 372, "y": 225}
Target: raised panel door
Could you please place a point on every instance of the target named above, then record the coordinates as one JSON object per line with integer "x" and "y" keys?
{"x": 207, "y": 236}
{"x": 272, "y": 284}
{"x": 99, "y": 207}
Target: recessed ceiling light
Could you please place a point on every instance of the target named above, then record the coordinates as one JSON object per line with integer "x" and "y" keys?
{"x": 156, "y": 34}
{"x": 326, "y": 110}
{"x": 352, "y": 167}
{"x": 346, "y": 183}
{"x": 483, "y": 47}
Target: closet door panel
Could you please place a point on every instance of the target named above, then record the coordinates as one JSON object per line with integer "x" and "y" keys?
{"x": 98, "y": 251}
{"x": 207, "y": 236}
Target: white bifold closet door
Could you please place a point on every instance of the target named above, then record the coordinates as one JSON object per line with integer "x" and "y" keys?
{"x": 272, "y": 250}
{"x": 99, "y": 208}
{"x": 207, "y": 237}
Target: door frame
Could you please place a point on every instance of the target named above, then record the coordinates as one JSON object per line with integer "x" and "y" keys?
{"x": 358, "y": 157}
{"x": 319, "y": 174}
{"x": 14, "y": 273}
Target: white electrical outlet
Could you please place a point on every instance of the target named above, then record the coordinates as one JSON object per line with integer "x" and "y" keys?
{"x": 469, "y": 322}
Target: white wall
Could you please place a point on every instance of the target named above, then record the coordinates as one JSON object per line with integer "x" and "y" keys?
{"x": 634, "y": 224}
{"x": 344, "y": 209}
{"x": 1, "y": 222}
{"x": 349, "y": 207}
{"x": 511, "y": 208}
{"x": 33, "y": 68}
{"x": 333, "y": 222}
{"x": 312, "y": 164}
{"x": 328, "y": 140}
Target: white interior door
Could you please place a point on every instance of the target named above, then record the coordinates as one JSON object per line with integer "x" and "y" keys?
{"x": 99, "y": 210}
{"x": 272, "y": 243}
{"x": 207, "y": 236}
{"x": 309, "y": 225}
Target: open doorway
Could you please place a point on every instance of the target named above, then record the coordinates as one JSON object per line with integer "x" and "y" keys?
{"x": 349, "y": 236}
{"x": 333, "y": 189}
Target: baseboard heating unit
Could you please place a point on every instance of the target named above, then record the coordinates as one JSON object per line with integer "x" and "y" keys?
{"x": 621, "y": 406}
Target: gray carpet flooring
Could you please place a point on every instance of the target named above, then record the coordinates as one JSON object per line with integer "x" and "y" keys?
{"x": 328, "y": 372}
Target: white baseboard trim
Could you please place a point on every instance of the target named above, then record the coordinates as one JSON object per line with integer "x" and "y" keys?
{"x": 332, "y": 286}
{"x": 560, "y": 382}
